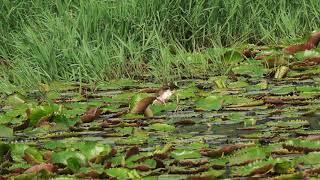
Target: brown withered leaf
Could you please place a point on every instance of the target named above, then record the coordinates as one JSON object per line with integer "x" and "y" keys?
{"x": 160, "y": 164}
{"x": 29, "y": 159}
{"x": 89, "y": 175}
{"x": 224, "y": 150}
{"x": 261, "y": 170}
{"x": 201, "y": 177}
{"x": 178, "y": 170}
{"x": 91, "y": 114}
{"x": 192, "y": 163}
{"x": 310, "y": 61}
{"x": 295, "y": 100}
{"x": 250, "y": 53}
{"x": 44, "y": 166}
{"x": 299, "y": 149}
{"x": 17, "y": 171}
{"x": 142, "y": 168}
{"x": 132, "y": 151}
{"x": 44, "y": 121}
{"x": 312, "y": 137}
{"x": 47, "y": 155}
{"x": 265, "y": 56}
{"x": 24, "y": 125}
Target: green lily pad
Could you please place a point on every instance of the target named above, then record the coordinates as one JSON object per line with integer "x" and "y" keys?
{"x": 252, "y": 69}
{"x": 93, "y": 149}
{"x": 63, "y": 156}
{"x": 119, "y": 173}
{"x": 180, "y": 154}
{"x": 210, "y": 103}
{"x": 34, "y": 155}
{"x": 305, "y": 54}
{"x": 6, "y": 132}
{"x": 162, "y": 127}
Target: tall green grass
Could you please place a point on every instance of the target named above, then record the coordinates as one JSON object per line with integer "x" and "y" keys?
{"x": 81, "y": 40}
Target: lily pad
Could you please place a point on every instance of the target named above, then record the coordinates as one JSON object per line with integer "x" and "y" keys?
{"x": 210, "y": 103}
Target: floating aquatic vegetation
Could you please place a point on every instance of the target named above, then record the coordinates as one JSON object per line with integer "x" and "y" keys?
{"x": 258, "y": 120}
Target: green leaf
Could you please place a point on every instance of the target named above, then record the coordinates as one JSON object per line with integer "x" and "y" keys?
{"x": 283, "y": 167}
{"x": 162, "y": 127}
{"x": 15, "y": 100}
{"x": 4, "y": 149}
{"x": 53, "y": 145}
{"x": 187, "y": 93}
{"x": 253, "y": 69}
{"x": 63, "y": 120}
{"x": 157, "y": 109}
{"x": 17, "y": 152}
{"x": 185, "y": 154}
{"x": 5, "y": 131}
{"x": 151, "y": 163}
{"x": 42, "y": 112}
{"x": 284, "y": 90}
{"x": 93, "y": 149}
{"x": 74, "y": 164}
{"x": 305, "y": 54}
{"x": 210, "y": 103}
{"x": 34, "y": 154}
{"x": 63, "y": 156}
{"x": 119, "y": 173}
{"x": 232, "y": 56}
{"x": 25, "y": 176}
{"x": 312, "y": 158}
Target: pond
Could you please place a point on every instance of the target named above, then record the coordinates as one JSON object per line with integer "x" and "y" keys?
{"x": 256, "y": 122}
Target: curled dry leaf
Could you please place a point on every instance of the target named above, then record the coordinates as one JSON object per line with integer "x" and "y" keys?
{"x": 44, "y": 121}
{"x": 47, "y": 155}
{"x": 190, "y": 170}
{"x": 299, "y": 149}
{"x": 24, "y": 125}
{"x": 310, "y": 61}
{"x": 91, "y": 114}
{"x": 224, "y": 150}
{"x": 264, "y": 56}
{"x": 250, "y": 53}
{"x": 191, "y": 163}
{"x": 142, "y": 168}
{"x": 261, "y": 170}
{"x": 89, "y": 175}
{"x": 132, "y": 151}
{"x": 44, "y": 166}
